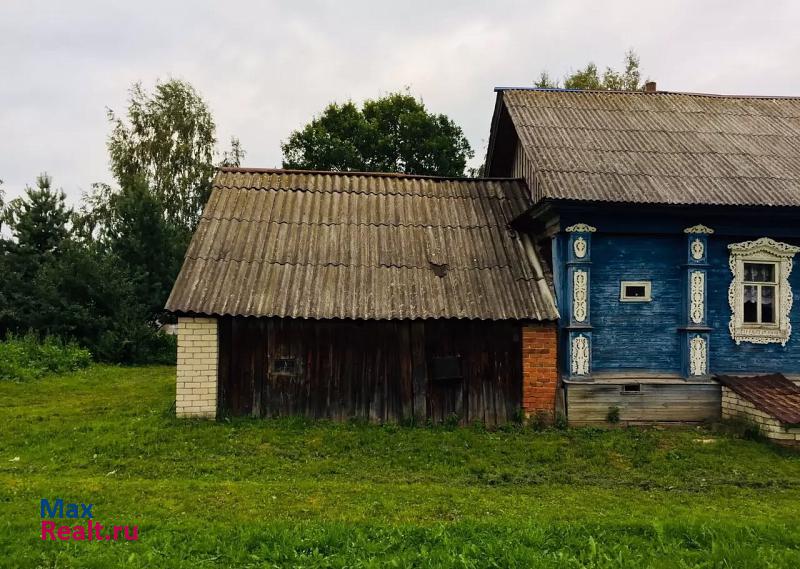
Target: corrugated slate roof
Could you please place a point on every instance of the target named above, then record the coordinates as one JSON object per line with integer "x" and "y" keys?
{"x": 659, "y": 147}
{"x": 362, "y": 246}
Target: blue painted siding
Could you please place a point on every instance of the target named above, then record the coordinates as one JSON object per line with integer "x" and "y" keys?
{"x": 646, "y": 336}
{"x": 725, "y": 355}
{"x": 637, "y": 335}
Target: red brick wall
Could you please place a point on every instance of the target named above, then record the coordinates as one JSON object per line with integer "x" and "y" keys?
{"x": 539, "y": 368}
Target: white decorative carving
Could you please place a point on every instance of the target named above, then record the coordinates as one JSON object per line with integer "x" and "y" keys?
{"x": 580, "y": 228}
{"x": 764, "y": 244}
{"x": 580, "y": 247}
{"x": 697, "y": 249}
{"x": 579, "y": 295}
{"x": 699, "y": 229}
{"x": 698, "y": 356}
{"x": 580, "y": 355}
{"x": 768, "y": 251}
{"x": 697, "y": 294}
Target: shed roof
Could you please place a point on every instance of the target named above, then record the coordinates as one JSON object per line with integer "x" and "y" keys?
{"x": 773, "y": 394}
{"x": 362, "y": 246}
{"x": 657, "y": 147}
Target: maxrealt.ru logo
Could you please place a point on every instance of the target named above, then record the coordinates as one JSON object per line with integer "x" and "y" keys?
{"x": 89, "y": 532}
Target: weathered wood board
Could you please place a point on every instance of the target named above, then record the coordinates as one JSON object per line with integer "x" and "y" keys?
{"x": 375, "y": 370}
{"x": 677, "y": 402}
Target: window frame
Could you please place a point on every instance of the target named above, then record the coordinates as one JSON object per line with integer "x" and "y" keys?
{"x": 283, "y": 373}
{"x": 761, "y": 251}
{"x": 774, "y": 283}
{"x": 648, "y": 291}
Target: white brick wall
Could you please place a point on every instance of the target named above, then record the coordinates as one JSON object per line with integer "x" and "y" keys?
{"x": 734, "y": 406}
{"x": 196, "y": 390}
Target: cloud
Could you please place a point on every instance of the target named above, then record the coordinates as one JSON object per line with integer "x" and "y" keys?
{"x": 266, "y": 67}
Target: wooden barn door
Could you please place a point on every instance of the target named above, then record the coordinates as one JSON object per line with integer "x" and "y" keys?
{"x": 444, "y": 352}
{"x": 474, "y": 371}
{"x": 242, "y": 365}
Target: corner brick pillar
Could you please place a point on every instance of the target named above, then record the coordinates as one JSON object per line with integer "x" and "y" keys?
{"x": 196, "y": 390}
{"x": 539, "y": 368}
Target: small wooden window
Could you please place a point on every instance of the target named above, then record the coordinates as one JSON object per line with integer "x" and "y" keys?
{"x": 444, "y": 368}
{"x": 284, "y": 366}
{"x": 635, "y": 291}
{"x": 632, "y": 388}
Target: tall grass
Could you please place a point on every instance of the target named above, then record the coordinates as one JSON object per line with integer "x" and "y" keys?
{"x": 29, "y": 357}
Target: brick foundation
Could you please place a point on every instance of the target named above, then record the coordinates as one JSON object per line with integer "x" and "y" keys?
{"x": 734, "y": 406}
{"x": 196, "y": 390}
{"x": 539, "y": 368}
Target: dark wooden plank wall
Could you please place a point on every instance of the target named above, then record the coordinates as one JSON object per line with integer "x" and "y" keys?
{"x": 374, "y": 370}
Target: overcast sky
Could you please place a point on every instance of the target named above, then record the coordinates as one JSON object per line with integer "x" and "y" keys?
{"x": 265, "y": 68}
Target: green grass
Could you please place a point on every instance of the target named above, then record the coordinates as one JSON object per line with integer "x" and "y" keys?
{"x": 294, "y": 493}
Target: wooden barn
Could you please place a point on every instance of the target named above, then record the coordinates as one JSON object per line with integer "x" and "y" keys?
{"x": 376, "y": 296}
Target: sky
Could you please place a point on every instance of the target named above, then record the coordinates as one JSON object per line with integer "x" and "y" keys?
{"x": 267, "y": 67}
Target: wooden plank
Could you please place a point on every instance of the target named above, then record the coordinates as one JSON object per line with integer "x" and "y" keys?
{"x": 406, "y": 384}
{"x": 419, "y": 371}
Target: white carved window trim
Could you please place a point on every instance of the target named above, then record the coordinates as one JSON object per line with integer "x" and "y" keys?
{"x": 762, "y": 250}
{"x": 624, "y": 297}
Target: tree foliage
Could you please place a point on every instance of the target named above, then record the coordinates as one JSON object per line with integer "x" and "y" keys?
{"x": 168, "y": 138}
{"x": 101, "y": 274}
{"x": 54, "y": 283}
{"x": 395, "y": 133}
{"x": 39, "y": 219}
{"x": 590, "y": 78}
{"x": 148, "y": 246}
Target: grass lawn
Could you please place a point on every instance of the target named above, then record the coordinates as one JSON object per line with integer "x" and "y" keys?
{"x": 291, "y": 493}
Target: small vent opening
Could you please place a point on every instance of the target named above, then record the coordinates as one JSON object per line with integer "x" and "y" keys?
{"x": 632, "y": 388}
{"x": 284, "y": 366}
{"x": 445, "y": 368}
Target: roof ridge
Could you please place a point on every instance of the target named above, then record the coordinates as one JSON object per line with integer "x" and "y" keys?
{"x": 288, "y": 171}
{"x": 481, "y": 197}
{"x": 647, "y": 93}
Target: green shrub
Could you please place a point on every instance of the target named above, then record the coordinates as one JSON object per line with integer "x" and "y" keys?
{"x": 136, "y": 343}
{"x": 741, "y": 428}
{"x": 540, "y": 420}
{"x": 28, "y": 357}
{"x": 613, "y": 415}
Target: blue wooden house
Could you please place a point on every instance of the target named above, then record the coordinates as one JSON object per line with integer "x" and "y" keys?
{"x": 670, "y": 222}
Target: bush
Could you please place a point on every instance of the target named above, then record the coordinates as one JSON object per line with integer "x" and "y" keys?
{"x": 613, "y": 415}
{"x": 136, "y": 343}
{"x": 28, "y": 357}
